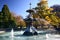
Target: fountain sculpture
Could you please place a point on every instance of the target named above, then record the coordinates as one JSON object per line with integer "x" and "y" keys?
{"x": 29, "y": 21}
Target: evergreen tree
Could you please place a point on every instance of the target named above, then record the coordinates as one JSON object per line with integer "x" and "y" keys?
{"x": 56, "y": 8}
{"x": 1, "y": 19}
{"x": 7, "y": 18}
{"x": 6, "y": 13}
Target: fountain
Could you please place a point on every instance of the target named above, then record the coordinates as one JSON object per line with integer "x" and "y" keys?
{"x": 29, "y": 21}
{"x": 29, "y": 32}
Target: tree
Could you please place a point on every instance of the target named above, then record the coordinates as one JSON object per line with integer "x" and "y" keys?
{"x": 56, "y": 8}
{"x": 1, "y": 19}
{"x": 6, "y": 13}
{"x": 20, "y": 22}
{"x": 46, "y": 13}
{"x": 7, "y": 17}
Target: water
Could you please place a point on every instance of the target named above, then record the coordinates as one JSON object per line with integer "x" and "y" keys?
{"x": 17, "y": 35}
{"x": 12, "y": 33}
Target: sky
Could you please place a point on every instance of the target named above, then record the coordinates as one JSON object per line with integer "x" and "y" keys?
{"x": 19, "y": 7}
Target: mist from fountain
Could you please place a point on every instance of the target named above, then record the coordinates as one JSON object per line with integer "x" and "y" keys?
{"x": 12, "y": 33}
{"x": 47, "y": 36}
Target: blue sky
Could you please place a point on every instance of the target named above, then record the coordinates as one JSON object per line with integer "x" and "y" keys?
{"x": 19, "y": 7}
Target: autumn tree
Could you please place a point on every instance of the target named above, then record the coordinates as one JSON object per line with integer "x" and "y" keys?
{"x": 44, "y": 12}
{"x": 20, "y": 22}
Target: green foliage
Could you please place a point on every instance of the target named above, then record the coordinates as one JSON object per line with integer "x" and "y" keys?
{"x": 6, "y": 18}
{"x": 6, "y": 13}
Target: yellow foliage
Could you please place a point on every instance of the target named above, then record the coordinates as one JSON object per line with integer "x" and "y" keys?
{"x": 35, "y": 15}
{"x": 54, "y": 23}
{"x": 48, "y": 19}
{"x": 54, "y": 18}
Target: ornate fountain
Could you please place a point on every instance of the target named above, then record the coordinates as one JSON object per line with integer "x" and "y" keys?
{"x": 29, "y": 21}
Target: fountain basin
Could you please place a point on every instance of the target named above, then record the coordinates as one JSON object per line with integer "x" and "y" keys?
{"x": 30, "y": 31}
{"x": 26, "y": 33}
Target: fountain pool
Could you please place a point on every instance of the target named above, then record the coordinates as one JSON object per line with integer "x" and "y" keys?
{"x": 17, "y": 35}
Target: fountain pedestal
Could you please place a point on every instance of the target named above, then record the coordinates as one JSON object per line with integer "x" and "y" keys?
{"x": 30, "y": 31}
